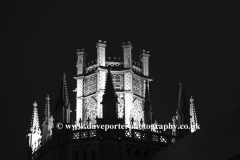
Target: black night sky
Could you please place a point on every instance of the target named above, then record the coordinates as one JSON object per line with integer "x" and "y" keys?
{"x": 197, "y": 42}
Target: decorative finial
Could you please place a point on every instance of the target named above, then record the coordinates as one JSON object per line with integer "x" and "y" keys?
{"x": 35, "y": 104}
{"x": 48, "y": 98}
{"x": 191, "y": 99}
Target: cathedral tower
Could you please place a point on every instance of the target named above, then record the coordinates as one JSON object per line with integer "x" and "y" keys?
{"x": 129, "y": 79}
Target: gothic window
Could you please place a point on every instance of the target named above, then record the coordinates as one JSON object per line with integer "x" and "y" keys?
{"x": 137, "y": 112}
{"x": 93, "y": 155}
{"x": 75, "y": 156}
{"x": 138, "y": 154}
{"x": 90, "y": 110}
{"x": 118, "y": 81}
{"x": 146, "y": 155}
{"x": 128, "y": 154}
{"x": 90, "y": 85}
{"x": 84, "y": 154}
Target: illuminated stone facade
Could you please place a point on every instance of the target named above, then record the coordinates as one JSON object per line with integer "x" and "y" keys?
{"x": 128, "y": 77}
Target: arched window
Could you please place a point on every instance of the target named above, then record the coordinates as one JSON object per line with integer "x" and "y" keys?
{"x": 137, "y": 112}
{"x": 128, "y": 154}
{"x": 75, "y": 156}
{"x": 146, "y": 155}
{"x": 90, "y": 110}
{"x": 84, "y": 154}
{"x": 138, "y": 154}
{"x": 93, "y": 155}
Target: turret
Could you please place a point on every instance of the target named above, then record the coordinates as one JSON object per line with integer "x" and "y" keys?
{"x": 35, "y": 132}
{"x": 147, "y": 106}
{"x": 81, "y": 63}
{"x": 62, "y": 108}
{"x": 144, "y": 57}
{"x": 127, "y": 55}
{"x": 101, "y": 49}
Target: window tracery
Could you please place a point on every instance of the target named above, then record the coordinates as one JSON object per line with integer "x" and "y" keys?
{"x": 137, "y": 112}
{"x": 90, "y": 111}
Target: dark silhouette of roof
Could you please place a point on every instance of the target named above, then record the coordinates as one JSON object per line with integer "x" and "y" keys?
{"x": 218, "y": 140}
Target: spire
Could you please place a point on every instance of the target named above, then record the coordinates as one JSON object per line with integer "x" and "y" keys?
{"x": 48, "y": 122}
{"x": 109, "y": 93}
{"x": 62, "y": 108}
{"x": 147, "y": 101}
{"x": 35, "y": 132}
{"x": 47, "y": 109}
{"x": 35, "y": 121}
{"x": 63, "y": 95}
{"x": 193, "y": 119}
{"x": 182, "y": 103}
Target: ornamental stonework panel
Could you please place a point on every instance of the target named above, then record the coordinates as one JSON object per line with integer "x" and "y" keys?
{"x": 127, "y": 81}
{"x": 80, "y": 65}
{"x": 79, "y": 109}
{"x": 138, "y": 86}
{"x": 79, "y": 87}
{"x": 101, "y": 79}
{"x": 90, "y": 85}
